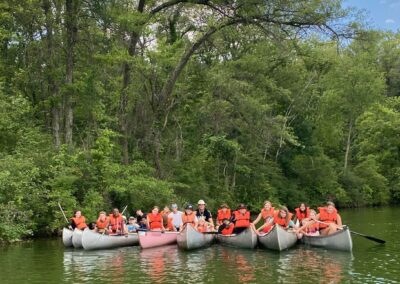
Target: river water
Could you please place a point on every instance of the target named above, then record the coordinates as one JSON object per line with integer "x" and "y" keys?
{"x": 47, "y": 261}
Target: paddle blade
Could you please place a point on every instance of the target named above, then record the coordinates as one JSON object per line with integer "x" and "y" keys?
{"x": 369, "y": 237}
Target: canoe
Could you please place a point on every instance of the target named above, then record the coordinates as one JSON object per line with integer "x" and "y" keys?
{"x": 151, "y": 239}
{"x": 340, "y": 240}
{"x": 190, "y": 239}
{"x": 247, "y": 239}
{"x": 67, "y": 237}
{"x": 92, "y": 240}
{"x": 77, "y": 238}
{"x": 278, "y": 239}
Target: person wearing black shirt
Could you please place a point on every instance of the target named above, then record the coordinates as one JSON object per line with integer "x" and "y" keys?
{"x": 204, "y": 213}
{"x": 141, "y": 219}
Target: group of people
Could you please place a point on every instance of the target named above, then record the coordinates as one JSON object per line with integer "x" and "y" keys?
{"x": 305, "y": 221}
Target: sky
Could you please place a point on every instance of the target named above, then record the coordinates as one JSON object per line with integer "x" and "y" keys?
{"x": 380, "y": 14}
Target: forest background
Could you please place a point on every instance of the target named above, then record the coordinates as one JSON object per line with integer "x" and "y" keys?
{"x": 107, "y": 103}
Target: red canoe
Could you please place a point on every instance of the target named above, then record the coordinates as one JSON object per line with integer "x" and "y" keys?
{"x": 151, "y": 239}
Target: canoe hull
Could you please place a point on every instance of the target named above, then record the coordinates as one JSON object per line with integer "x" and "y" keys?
{"x": 77, "y": 238}
{"x": 67, "y": 237}
{"x": 94, "y": 241}
{"x": 190, "y": 239}
{"x": 151, "y": 239}
{"x": 278, "y": 239}
{"x": 247, "y": 239}
{"x": 340, "y": 240}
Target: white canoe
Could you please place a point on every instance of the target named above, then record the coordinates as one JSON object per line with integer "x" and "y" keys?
{"x": 67, "y": 237}
{"x": 92, "y": 240}
{"x": 77, "y": 238}
{"x": 190, "y": 239}
{"x": 278, "y": 239}
{"x": 247, "y": 239}
{"x": 340, "y": 240}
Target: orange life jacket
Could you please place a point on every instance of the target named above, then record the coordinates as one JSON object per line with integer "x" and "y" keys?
{"x": 79, "y": 222}
{"x": 313, "y": 228}
{"x": 223, "y": 215}
{"x": 267, "y": 228}
{"x": 302, "y": 215}
{"x": 155, "y": 221}
{"x": 102, "y": 224}
{"x": 284, "y": 222}
{"x": 202, "y": 228}
{"x": 242, "y": 221}
{"x": 116, "y": 223}
{"x": 270, "y": 213}
{"x": 188, "y": 218}
{"x": 325, "y": 217}
{"x": 228, "y": 230}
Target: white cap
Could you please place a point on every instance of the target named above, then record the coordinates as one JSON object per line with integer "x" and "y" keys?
{"x": 201, "y": 201}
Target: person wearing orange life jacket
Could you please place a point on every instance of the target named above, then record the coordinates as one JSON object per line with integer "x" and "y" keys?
{"x": 302, "y": 214}
{"x": 155, "y": 220}
{"x": 226, "y": 228}
{"x": 102, "y": 223}
{"x": 167, "y": 222}
{"x": 203, "y": 226}
{"x": 223, "y": 213}
{"x": 329, "y": 219}
{"x": 189, "y": 217}
{"x": 311, "y": 226}
{"x": 241, "y": 218}
{"x": 116, "y": 223}
{"x": 267, "y": 212}
{"x": 78, "y": 221}
{"x": 282, "y": 218}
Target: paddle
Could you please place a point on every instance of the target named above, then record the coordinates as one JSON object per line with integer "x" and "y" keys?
{"x": 62, "y": 211}
{"x": 362, "y": 235}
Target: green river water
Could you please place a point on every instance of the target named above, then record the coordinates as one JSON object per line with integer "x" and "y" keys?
{"x": 47, "y": 261}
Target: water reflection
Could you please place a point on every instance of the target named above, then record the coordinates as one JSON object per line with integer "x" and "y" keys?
{"x": 212, "y": 265}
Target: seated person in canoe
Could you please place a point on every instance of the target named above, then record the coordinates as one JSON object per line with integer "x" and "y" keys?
{"x": 116, "y": 223}
{"x": 241, "y": 218}
{"x": 203, "y": 226}
{"x": 155, "y": 220}
{"x": 310, "y": 227}
{"x": 132, "y": 225}
{"x": 102, "y": 223}
{"x": 302, "y": 214}
{"x": 226, "y": 228}
{"x": 267, "y": 212}
{"x": 329, "y": 219}
{"x": 167, "y": 221}
{"x": 189, "y": 217}
{"x": 282, "y": 218}
{"x": 224, "y": 212}
{"x": 78, "y": 221}
{"x": 176, "y": 217}
{"x": 141, "y": 219}
{"x": 202, "y": 211}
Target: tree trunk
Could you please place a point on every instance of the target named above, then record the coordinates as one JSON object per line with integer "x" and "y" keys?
{"x": 53, "y": 89}
{"x": 123, "y": 103}
{"x": 71, "y": 9}
{"x": 348, "y": 145}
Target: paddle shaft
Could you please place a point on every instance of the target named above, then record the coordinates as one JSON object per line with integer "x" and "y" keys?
{"x": 359, "y": 234}
{"x": 62, "y": 211}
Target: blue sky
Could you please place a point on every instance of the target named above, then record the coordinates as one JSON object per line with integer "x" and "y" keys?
{"x": 380, "y": 14}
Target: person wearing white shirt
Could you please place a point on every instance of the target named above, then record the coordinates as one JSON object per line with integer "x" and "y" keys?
{"x": 176, "y": 217}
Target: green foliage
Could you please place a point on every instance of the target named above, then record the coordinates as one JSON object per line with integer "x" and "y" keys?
{"x": 256, "y": 112}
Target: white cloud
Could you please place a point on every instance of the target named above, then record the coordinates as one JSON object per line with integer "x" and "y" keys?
{"x": 390, "y": 21}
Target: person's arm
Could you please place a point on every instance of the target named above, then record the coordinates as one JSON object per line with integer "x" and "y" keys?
{"x": 148, "y": 223}
{"x": 268, "y": 223}
{"x": 339, "y": 221}
{"x": 196, "y": 222}
{"x": 257, "y": 219}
